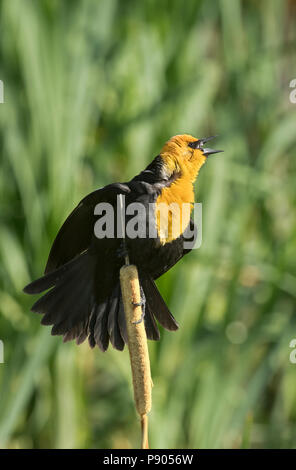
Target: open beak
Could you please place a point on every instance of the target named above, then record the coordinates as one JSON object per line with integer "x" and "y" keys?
{"x": 199, "y": 144}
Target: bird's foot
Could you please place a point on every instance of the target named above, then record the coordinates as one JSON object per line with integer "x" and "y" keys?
{"x": 142, "y": 314}
{"x": 142, "y": 305}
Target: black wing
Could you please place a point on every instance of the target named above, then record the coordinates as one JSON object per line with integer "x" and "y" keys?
{"x": 76, "y": 233}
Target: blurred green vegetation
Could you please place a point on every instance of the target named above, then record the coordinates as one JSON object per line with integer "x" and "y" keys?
{"x": 92, "y": 91}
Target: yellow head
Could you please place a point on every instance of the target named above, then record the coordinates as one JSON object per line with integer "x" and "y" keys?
{"x": 185, "y": 155}
{"x": 182, "y": 157}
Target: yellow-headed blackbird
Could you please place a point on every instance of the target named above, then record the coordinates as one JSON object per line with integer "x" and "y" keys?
{"x": 82, "y": 270}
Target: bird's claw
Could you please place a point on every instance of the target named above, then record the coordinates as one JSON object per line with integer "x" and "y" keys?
{"x": 140, "y": 320}
{"x": 139, "y": 304}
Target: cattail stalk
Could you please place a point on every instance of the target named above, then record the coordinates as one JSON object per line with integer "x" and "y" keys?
{"x": 137, "y": 340}
{"x": 137, "y": 345}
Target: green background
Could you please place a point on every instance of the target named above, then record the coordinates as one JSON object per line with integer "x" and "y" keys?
{"x": 93, "y": 89}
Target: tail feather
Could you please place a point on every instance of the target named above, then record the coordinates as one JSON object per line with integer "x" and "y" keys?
{"x": 113, "y": 323}
{"x": 71, "y": 307}
{"x": 74, "y": 308}
{"x": 122, "y": 322}
{"x": 157, "y": 305}
{"x": 150, "y": 324}
{"x": 91, "y": 328}
{"x": 105, "y": 323}
{"x": 68, "y": 304}
{"x": 49, "y": 280}
{"x": 73, "y": 315}
{"x": 100, "y": 334}
{"x": 65, "y": 305}
{"x": 48, "y": 302}
{"x": 53, "y": 302}
{"x": 78, "y": 332}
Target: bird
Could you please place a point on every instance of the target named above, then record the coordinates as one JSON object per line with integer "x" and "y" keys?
{"x": 81, "y": 278}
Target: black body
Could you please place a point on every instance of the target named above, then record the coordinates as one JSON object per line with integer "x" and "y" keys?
{"x": 82, "y": 271}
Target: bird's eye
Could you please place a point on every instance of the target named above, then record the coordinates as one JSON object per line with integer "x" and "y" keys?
{"x": 194, "y": 145}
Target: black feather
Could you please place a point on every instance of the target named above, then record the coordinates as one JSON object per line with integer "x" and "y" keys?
{"x": 113, "y": 325}
{"x": 51, "y": 279}
{"x": 150, "y": 325}
{"x": 122, "y": 322}
{"x": 157, "y": 305}
{"x": 101, "y": 326}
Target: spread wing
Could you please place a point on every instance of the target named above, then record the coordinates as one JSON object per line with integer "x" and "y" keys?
{"x": 77, "y": 231}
